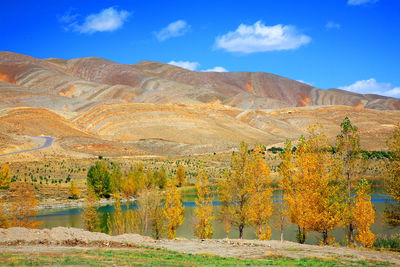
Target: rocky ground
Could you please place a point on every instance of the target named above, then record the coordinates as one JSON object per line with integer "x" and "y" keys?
{"x": 27, "y": 240}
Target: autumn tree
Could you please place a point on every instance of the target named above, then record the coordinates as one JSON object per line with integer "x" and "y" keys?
{"x": 5, "y": 177}
{"x": 135, "y": 182}
{"x": 161, "y": 178}
{"x": 204, "y": 209}
{"x": 173, "y": 209}
{"x": 392, "y": 213}
{"x": 73, "y": 191}
{"x": 364, "y": 215}
{"x": 313, "y": 192}
{"x": 157, "y": 215}
{"x": 116, "y": 178}
{"x": 280, "y": 220}
{"x": 90, "y": 216}
{"x": 234, "y": 192}
{"x": 180, "y": 175}
{"x": 23, "y": 205}
{"x": 116, "y": 222}
{"x": 261, "y": 207}
{"x": 349, "y": 154}
{"x": 99, "y": 178}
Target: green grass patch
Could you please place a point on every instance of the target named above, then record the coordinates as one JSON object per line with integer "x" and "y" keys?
{"x": 159, "y": 257}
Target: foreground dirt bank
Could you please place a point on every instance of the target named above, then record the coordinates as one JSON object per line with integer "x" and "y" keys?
{"x": 22, "y": 238}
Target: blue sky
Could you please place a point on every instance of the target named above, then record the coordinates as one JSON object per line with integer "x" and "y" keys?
{"x": 349, "y": 44}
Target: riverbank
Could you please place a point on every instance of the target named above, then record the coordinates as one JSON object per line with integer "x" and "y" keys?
{"x": 13, "y": 239}
{"x": 80, "y": 203}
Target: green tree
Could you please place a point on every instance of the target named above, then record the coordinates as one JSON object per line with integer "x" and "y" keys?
{"x": 161, "y": 178}
{"x": 99, "y": 178}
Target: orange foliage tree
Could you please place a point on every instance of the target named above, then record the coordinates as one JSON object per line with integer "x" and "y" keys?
{"x": 23, "y": 205}
{"x": 261, "y": 207}
{"x": 313, "y": 192}
{"x": 204, "y": 209}
{"x": 173, "y": 209}
{"x": 364, "y": 215}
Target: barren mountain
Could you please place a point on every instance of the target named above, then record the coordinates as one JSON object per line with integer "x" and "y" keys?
{"x": 92, "y": 105}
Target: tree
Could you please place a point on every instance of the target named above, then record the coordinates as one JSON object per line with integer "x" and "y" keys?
{"x": 280, "y": 220}
{"x": 135, "y": 182}
{"x": 23, "y": 206}
{"x": 364, "y": 215}
{"x": 73, "y": 191}
{"x": 261, "y": 207}
{"x": 5, "y": 177}
{"x": 233, "y": 191}
{"x": 116, "y": 223}
{"x": 161, "y": 179}
{"x": 313, "y": 192}
{"x": 204, "y": 209}
{"x": 90, "y": 216}
{"x": 392, "y": 213}
{"x": 99, "y": 178}
{"x": 173, "y": 209}
{"x": 349, "y": 153}
{"x": 157, "y": 215}
{"x": 180, "y": 175}
{"x": 116, "y": 178}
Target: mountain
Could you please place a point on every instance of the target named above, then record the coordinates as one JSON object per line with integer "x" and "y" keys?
{"x": 93, "y": 105}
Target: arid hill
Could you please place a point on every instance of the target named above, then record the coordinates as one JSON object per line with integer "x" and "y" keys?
{"x": 92, "y": 105}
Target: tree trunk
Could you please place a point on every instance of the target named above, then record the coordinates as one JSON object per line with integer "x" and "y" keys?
{"x": 325, "y": 237}
{"x": 241, "y": 226}
{"x": 281, "y": 235}
{"x": 351, "y": 228}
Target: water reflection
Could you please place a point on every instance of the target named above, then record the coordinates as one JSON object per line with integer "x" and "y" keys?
{"x": 72, "y": 218}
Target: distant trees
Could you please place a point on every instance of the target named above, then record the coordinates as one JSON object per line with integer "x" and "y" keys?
{"x": 23, "y": 206}
{"x": 73, "y": 191}
{"x": 180, "y": 175}
{"x": 5, "y": 177}
{"x": 99, "y": 178}
{"x": 392, "y": 213}
{"x": 204, "y": 209}
{"x": 173, "y": 209}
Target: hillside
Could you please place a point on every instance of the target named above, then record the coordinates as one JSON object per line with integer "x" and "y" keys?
{"x": 92, "y": 105}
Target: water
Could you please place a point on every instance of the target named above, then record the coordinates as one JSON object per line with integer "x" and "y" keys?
{"x": 72, "y": 218}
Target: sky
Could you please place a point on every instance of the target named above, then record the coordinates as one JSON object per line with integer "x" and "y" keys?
{"x": 347, "y": 44}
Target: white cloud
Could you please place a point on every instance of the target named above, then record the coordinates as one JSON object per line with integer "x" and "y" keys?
{"x": 194, "y": 66}
{"x": 360, "y": 2}
{"x": 109, "y": 19}
{"x": 260, "y": 38}
{"x": 371, "y": 86}
{"x": 174, "y": 29}
{"x": 185, "y": 64}
{"x": 332, "y": 25}
{"x": 216, "y": 69}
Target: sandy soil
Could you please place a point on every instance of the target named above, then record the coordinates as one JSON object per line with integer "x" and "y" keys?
{"x": 22, "y": 239}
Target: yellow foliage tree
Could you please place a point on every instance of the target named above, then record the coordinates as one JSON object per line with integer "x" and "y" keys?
{"x": 204, "y": 209}
{"x": 5, "y": 177}
{"x": 173, "y": 209}
{"x": 23, "y": 206}
{"x": 73, "y": 191}
{"x": 364, "y": 215}
{"x": 350, "y": 159}
{"x": 180, "y": 175}
{"x": 116, "y": 224}
{"x": 234, "y": 191}
{"x": 392, "y": 213}
{"x": 261, "y": 207}
{"x": 313, "y": 193}
{"x": 135, "y": 182}
{"x": 90, "y": 216}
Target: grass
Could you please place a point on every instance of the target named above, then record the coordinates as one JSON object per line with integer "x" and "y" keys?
{"x": 159, "y": 257}
{"x": 388, "y": 242}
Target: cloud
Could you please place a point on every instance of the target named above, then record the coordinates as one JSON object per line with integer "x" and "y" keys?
{"x": 194, "y": 66}
{"x": 185, "y": 64}
{"x": 174, "y": 29}
{"x": 332, "y": 25}
{"x": 216, "y": 69}
{"x": 371, "y": 86}
{"x": 260, "y": 38}
{"x": 109, "y": 19}
{"x": 301, "y": 81}
{"x": 360, "y": 2}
